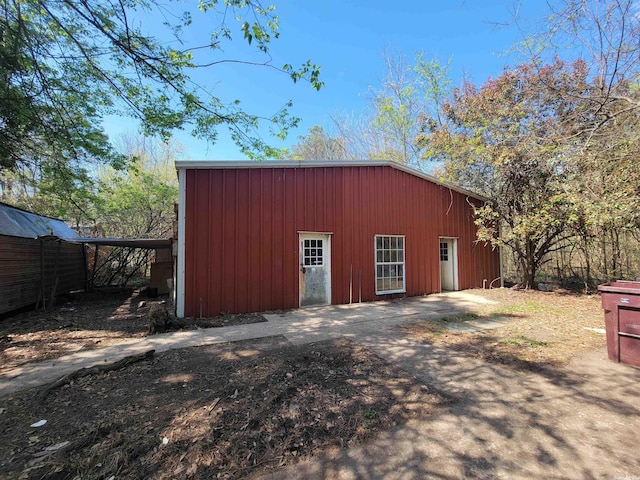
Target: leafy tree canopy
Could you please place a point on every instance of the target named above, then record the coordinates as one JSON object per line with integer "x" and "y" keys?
{"x": 508, "y": 140}
{"x": 318, "y": 145}
{"x": 407, "y": 93}
{"x": 64, "y": 64}
{"x": 138, "y": 202}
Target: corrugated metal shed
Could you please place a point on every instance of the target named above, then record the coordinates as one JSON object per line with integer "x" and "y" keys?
{"x": 242, "y": 224}
{"x": 16, "y": 222}
{"x": 37, "y": 262}
{"x": 33, "y": 270}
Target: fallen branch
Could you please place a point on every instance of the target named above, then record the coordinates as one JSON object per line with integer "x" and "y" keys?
{"x": 83, "y": 372}
{"x": 61, "y": 449}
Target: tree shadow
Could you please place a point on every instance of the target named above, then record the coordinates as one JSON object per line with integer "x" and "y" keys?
{"x": 228, "y": 410}
{"x": 506, "y": 423}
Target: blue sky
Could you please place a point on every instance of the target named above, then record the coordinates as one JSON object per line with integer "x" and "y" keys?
{"x": 347, "y": 37}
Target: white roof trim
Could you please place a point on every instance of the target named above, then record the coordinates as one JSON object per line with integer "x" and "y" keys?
{"x": 215, "y": 164}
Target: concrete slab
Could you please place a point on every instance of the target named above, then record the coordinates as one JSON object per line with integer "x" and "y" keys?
{"x": 35, "y": 374}
{"x": 298, "y": 326}
{"x": 388, "y": 311}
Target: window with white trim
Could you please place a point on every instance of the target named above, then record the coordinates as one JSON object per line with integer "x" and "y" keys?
{"x": 444, "y": 252}
{"x": 312, "y": 255}
{"x": 390, "y": 273}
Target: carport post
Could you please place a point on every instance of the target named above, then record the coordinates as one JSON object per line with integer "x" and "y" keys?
{"x": 42, "y": 279}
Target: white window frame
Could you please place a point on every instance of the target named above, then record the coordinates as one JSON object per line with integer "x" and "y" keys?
{"x": 383, "y": 263}
{"x": 444, "y": 251}
{"x": 315, "y": 260}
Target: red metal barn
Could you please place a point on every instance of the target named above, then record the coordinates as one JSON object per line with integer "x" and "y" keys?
{"x": 258, "y": 236}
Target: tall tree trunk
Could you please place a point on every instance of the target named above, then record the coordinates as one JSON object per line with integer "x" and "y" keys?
{"x": 587, "y": 260}
{"x": 531, "y": 274}
{"x": 528, "y": 270}
{"x": 617, "y": 256}
{"x": 614, "y": 254}
{"x": 604, "y": 254}
{"x": 627, "y": 255}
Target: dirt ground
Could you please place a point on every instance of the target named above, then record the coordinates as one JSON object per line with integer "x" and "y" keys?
{"x": 545, "y": 329}
{"x": 250, "y": 408}
{"x": 86, "y": 321}
{"x": 210, "y": 412}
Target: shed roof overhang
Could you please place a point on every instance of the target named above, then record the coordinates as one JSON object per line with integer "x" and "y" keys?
{"x": 16, "y": 222}
{"x": 149, "y": 243}
{"x": 215, "y": 164}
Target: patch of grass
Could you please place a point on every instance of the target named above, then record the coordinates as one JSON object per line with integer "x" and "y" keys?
{"x": 530, "y": 306}
{"x": 432, "y": 327}
{"x": 370, "y": 414}
{"x": 436, "y": 326}
{"x": 544, "y": 330}
{"x": 523, "y": 341}
{"x": 463, "y": 317}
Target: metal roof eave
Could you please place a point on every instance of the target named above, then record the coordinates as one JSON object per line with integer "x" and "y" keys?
{"x": 215, "y": 164}
{"x": 127, "y": 242}
{"x": 17, "y": 222}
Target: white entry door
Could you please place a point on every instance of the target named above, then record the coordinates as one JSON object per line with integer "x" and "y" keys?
{"x": 315, "y": 269}
{"x": 448, "y": 264}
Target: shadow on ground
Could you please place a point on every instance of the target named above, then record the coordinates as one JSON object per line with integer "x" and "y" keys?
{"x": 225, "y": 412}
{"x": 576, "y": 422}
{"x": 86, "y": 321}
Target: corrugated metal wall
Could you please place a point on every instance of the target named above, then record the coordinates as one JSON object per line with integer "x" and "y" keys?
{"x": 23, "y": 261}
{"x": 242, "y": 233}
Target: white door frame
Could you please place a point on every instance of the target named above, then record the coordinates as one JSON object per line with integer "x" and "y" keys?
{"x": 326, "y": 237}
{"x": 453, "y": 256}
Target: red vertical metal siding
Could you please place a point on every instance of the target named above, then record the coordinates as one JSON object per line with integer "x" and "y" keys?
{"x": 241, "y": 233}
